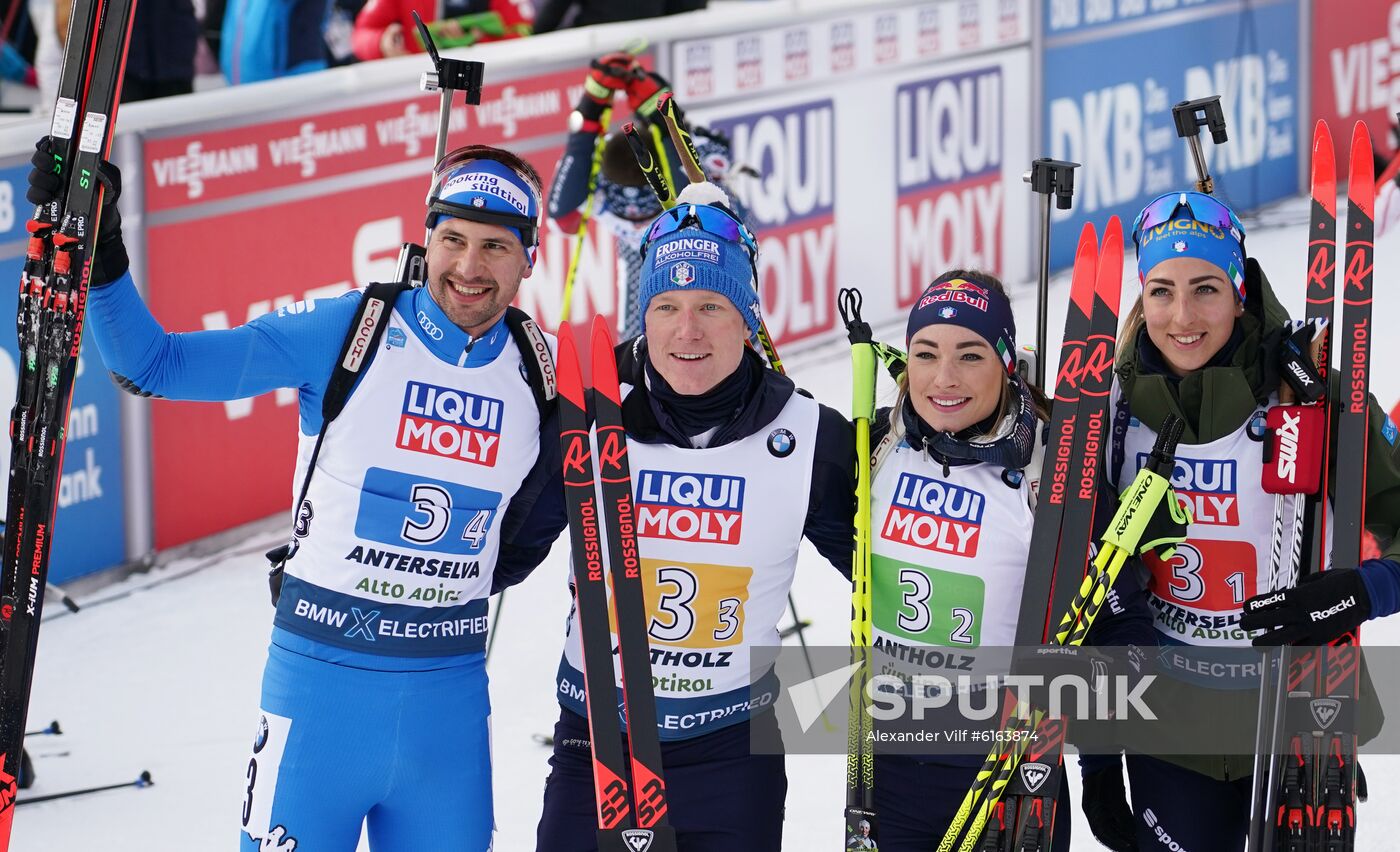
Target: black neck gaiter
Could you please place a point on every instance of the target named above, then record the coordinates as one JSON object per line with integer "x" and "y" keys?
{"x": 695, "y": 415}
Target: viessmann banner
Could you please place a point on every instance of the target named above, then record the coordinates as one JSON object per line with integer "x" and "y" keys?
{"x": 1113, "y": 71}
{"x": 1356, "y": 70}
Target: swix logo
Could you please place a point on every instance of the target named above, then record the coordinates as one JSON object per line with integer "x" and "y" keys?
{"x": 638, "y": 839}
{"x": 1325, "y": 711}
{"x": 934, "y": 515}
{"x": 698, "y": 507}
{"x": 748, "y": 62}
{"x": 1033, "y": 775}
{"x": 1288, "y": 446}
{"x": 374, "y": 309}
{"x": 843, "y": 46}
{"x": 699, "y": 70}
{"x": 1209, "y": 487}
{"x": 450, "y": 423}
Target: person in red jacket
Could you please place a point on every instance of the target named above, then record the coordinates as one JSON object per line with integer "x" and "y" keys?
{"x": 385, "y": 28}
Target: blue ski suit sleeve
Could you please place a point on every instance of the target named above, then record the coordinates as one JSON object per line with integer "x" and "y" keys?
{"x": 294, "y": 346}
{"x": 831, "y": 508}
{"x": 569, "y": 189}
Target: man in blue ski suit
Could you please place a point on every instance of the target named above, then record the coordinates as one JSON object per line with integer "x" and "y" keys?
{"x": 437, "y": 484}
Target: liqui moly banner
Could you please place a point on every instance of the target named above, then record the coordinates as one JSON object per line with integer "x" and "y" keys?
{"x": 791, "y": 205}
{"x": 948, "y": 155}
{"x": 1356, "y": 69}
{"x": 1114, "y": 71}
{"x": 89, "y": 530}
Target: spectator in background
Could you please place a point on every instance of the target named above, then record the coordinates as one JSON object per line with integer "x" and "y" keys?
{"x": 385, "y": 28}
{"x": 624, "y": 203}
{"x": 160, "y": 58}
{"x": 563, "y": 14}
{"x": 267, "y": 39}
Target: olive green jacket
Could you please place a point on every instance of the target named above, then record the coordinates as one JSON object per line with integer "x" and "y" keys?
{"x": 1216, "y": 401}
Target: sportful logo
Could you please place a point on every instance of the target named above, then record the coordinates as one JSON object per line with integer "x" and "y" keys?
{"x": 1208, "y": 486}
{"x": 698, "y": 507}
{"x": 934, "y": 515}
{"x": 450, "y": 423}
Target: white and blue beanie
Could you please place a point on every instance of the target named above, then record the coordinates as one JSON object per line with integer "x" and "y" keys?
{"x": 693, "y": 259}
{"x": 489, "y": 191}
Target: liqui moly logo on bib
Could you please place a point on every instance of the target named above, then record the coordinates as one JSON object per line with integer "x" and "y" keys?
{"x": 948, "y": 159}
{"x": 934, "y": 515}
{"x": 1208, "y": 487}
{"x": 697, "y": 507}
{"x": 791, "y": 208}
{"x": 450, "y": 423}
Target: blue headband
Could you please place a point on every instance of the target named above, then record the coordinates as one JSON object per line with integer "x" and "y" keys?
{"x": 967, "y": 304}
{"x": 1171, "y": 226}
{"x": 693, "y": 259}
{"x": 491, "y": 192}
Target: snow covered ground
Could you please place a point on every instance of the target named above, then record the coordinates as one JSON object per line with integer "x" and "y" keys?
{"x": 161, "y": 672}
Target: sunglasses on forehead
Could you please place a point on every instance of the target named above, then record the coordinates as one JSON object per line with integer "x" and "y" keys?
{"x": 1201, "y": 208}
{"x": 711, "y": 220}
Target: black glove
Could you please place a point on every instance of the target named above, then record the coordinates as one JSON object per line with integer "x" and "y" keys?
{"x": 1316, "y": 611}
{"x": 1106, "y": 809}
{"x": 46, "y": 182}
{"x": 1048, "y": 662}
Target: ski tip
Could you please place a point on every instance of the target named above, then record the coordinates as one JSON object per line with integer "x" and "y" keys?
{"x": 567, "y": 370}
{"x": 1086, "y": 261}
{"x": 1361, "y": 180}
{"x": 1324, "y": 169}
{"x": 604, "y": 360}
{"x": 1108, "y": 285}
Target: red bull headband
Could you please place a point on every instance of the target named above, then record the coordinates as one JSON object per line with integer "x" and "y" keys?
{"x": 960, "y": 302}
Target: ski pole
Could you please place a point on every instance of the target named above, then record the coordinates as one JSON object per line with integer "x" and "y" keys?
{"x": 143, "y": 780}
{"x": 447, "y": 77}
{"x": 1047, "y": 177}
{"x": 593, "y": 169}
{"x": 1190, "y": 117}
{"x": 52, "y": 730}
